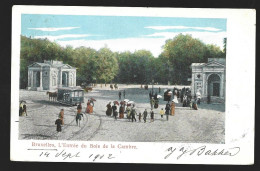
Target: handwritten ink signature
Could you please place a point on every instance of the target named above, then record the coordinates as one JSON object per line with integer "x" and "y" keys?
{"x": 66, "y": 155}
{"x": 202, "y": 150}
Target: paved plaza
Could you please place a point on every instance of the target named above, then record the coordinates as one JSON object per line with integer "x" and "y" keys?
{"x": 205, "y": 125}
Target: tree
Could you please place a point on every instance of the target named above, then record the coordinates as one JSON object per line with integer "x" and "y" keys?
{"x": 182, "y": 51}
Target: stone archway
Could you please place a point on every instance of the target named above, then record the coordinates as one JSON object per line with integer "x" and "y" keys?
{"x": 36, "y": 79}
{"x": 64, "y": 79}
{"x": 214, "y": 85}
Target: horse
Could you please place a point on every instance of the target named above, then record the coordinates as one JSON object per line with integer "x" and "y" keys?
{"x": 52, "y": 95}
{"x": 111, "y": 86}
{"x": 87, "y": 89}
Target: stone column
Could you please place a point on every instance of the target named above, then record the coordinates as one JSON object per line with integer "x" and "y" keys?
{"x": 203, "y": 84}
{"x": 41, "y": 79}
{"x": 222, "y": 85}
{"x": 206, "y": 86}
{"x": 75, "y": 81}
{"x": 192, "y": 84}
{"x": 29, "y": 80}
{"x": 60, "y": 79}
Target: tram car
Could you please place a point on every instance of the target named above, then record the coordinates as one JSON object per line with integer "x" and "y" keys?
{"x": 70, "y": 95}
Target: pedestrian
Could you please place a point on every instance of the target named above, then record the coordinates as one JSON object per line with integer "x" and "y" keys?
{"x": 133, "y": 113}
{"x": 88, "y": 107}
{"x": 150, "y": 95}
{"x": 79, "y": 108}
{"x": 124, "y": 93}
{"x": 109, "y": 109}
{"x": 152, "y": 115}
{"x": 128, "y": 112}
{"x": 114, "y": 108}
{"x": 145, "y": 115}
{"x": 58, "y": 122}
{"x": 172, "y": 108}
{"x": 159, "y": 89}
{"x": 119, "y": 95}
{"x": 140, "y": 116}
{"x": 167, "y": 111}
{"x": 24, "y": 109}
{"x": 91, "y": 106}
{"x": 20, "y": 109}
{"x": 61, "y": 116}
{"x": 121, "y": 111}
{"x": 152, "y": 102}
{"x": 78, "y": 117}
{"x": 161, "y": 113}
{"x": 198, "y": 96}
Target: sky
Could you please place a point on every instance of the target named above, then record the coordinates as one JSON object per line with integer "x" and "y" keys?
{"x": 121, "y": 33}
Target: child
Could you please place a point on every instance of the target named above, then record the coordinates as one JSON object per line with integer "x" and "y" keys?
{"x": 140, "y": 116}
{"x": 162, "y": 113}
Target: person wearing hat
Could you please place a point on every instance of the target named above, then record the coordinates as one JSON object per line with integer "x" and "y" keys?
{"x": 114, "y": 108}
{"x": 152, "y": 115}
{"x": 133, "y": 113}
{"x": 61, "y": 116}
{"x": 167, "y": 111}
{"x": 145, "y": 115}
{"x": 109, "y": 109}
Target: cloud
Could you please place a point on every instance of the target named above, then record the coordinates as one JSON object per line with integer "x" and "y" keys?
{"x": 215, "y": 38}
{"x": 148, "y": 42}
{"x": 182, "y": 27}
{"x": 120, "y": 45}
{"x": 53, "y": 28}
{"x": 54, "y": 38}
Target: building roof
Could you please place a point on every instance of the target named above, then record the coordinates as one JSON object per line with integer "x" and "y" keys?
{"x": 52, "y": 64}
{"x": 198, "y": 64}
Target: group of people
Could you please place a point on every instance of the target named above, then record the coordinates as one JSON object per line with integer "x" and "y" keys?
{"x": 120, "y": 94}
{"x": 79, "y": 115}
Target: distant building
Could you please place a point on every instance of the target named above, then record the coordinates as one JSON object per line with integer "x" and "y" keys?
{"x": 50, "y": 75}
{"x": 209, "y": 79}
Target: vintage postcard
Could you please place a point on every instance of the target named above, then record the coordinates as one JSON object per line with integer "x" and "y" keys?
{"x": 133, "y": 85}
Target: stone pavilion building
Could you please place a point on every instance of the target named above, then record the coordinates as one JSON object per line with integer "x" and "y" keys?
{"x": 209, "y": 79}
{"x": 50, "y": 75}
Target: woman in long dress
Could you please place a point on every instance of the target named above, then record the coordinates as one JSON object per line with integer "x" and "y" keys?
{"x": 88, "y": 107}
{"x": 121, "y": 111}
{"x": 61, "y": 116}
{"x": 109, "y": 109}
{"x": 172, "y": 108}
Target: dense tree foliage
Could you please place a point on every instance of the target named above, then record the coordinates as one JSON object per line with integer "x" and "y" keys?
{"x": 105, "y": 66}
{"x": 182, "y": 51}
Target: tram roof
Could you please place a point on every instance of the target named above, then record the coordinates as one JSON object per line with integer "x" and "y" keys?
{"x": 70, "y": 88}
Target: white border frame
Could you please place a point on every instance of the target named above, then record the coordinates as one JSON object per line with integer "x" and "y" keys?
{"x": 240, "y": 91}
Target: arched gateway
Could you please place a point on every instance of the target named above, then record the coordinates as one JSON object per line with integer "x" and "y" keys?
{"x": 209, "y": 78}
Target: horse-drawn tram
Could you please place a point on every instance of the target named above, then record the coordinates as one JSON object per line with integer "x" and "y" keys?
{"x": 70, "y": 95}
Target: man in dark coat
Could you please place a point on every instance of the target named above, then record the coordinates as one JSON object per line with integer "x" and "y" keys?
{"x": 152, "y": 115}
{"x": 133, "y": 112}
{"x": 114, "y": 108}
{"x": 145, "y": 115}
{"x": 119, "y": 95}
{"x": 124, "y": 93}
{"x": 58, "y": 122}
{"x": 167, "y": 111}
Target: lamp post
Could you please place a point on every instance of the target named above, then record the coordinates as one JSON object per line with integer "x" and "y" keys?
{"x": 152, "y": 86}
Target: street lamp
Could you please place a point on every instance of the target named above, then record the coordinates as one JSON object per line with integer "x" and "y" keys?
{"x": 152, "y": 86}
